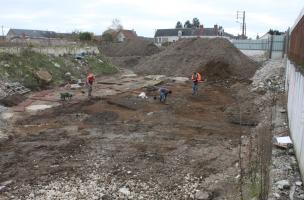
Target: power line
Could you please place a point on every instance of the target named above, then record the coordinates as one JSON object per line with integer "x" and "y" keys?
{"x": 2, "y": 32}
{"x": 240, "y": 15}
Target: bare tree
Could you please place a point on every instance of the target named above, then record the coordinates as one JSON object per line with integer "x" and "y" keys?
{"x": 116, "y": 25}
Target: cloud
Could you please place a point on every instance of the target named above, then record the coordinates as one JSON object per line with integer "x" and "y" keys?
{"x": 146, "y": 16}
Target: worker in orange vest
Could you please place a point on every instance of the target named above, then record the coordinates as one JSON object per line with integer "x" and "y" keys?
{"x": 90, "y": 81}
{"x": 196, "y": 77}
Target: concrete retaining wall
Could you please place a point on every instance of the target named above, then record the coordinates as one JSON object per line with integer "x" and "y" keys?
{"x": 294, "y": 86}
{"x": 53, "y": 50}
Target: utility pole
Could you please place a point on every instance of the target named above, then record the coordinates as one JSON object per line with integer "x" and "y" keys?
{"x": 2, "y": 32}
{"x": 243, "y": 29}
{"x": 240, "y": 15}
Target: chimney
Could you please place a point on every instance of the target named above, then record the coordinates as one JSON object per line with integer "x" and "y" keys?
{"x": 201, "y": 30}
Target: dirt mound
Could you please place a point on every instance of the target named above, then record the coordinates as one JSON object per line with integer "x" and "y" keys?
{"x": 135, "y": 47}
{"x": 217, "y": 57}
{"x": 12, "y": 100}
{"x": 126, "y": 61}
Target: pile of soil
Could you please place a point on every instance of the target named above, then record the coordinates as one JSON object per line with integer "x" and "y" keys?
{"x": 12, "y": 100}
{"x": 217, "y": 57}
{"x": 135, "y": 47}
{"x": 126, "y": 61}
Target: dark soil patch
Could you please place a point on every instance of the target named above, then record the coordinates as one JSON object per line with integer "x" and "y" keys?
{"x": 12, "y": 100}
{"x": 102, "y": 117}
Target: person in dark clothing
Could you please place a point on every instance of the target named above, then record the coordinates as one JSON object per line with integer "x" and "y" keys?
{"x": 163, "y": 93}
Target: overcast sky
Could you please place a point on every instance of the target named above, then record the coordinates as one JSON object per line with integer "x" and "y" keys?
{"x": 147, "y": 16}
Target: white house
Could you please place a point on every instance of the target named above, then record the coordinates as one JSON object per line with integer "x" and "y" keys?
{"x": 172, "y": 35}
{"x": 124, "y": 35}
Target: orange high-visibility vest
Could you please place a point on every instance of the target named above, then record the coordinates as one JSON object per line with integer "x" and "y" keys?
{"x": 198, "y": 77}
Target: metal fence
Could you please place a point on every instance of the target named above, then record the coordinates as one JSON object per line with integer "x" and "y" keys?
{"x": 252, "y": 44}
{"x": 296, "y": 45}
{"x": 274, "y": 45}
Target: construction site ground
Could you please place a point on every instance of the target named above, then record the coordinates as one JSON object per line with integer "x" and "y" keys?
{"x": 119, "y": 146}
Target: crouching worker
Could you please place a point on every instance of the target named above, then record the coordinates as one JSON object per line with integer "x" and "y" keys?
{"x": 163, "y": 93}
{"x": 89, "y": 82}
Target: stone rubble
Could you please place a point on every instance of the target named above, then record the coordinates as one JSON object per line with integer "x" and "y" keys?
{"x": 285, "y": 176}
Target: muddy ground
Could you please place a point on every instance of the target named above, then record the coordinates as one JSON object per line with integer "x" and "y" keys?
{"x": 125, "y": 147}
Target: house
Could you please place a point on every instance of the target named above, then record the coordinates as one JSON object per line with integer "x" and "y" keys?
{"x": 39, "y": 38}
{"x": 268, "y": 35}
{"x": 124, "y": 35}
{"x": 29, "y": 34}
{"x": 172, "y": 35}
{"x": 265, "y": 36}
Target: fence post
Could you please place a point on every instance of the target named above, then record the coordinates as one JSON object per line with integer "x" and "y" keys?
{"x": 286, "y": 43}
{"x": 271, "y": 46}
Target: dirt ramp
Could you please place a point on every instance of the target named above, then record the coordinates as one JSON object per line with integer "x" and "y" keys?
{"x": 217, "y": 56}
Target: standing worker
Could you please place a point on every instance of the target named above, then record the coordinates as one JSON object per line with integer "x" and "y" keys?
{"x": 196, "y": 77}
{"x": 90, "y": 80}
{"x": 163, "y": 93}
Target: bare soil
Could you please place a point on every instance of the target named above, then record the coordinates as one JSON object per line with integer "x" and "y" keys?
{"x": 217, "y": 58}
{"x": 156, "y": 150}
{"x": 134, "y": 47}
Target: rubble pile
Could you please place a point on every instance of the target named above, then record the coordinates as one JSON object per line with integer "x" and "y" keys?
{"x": 11, "y": 88}
{"x": 268, "y": 78}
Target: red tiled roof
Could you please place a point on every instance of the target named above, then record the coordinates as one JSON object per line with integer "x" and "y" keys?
{"x": 129, "y": 34}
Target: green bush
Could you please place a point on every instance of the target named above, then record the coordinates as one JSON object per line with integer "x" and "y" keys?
{"x": 85, "y": 36}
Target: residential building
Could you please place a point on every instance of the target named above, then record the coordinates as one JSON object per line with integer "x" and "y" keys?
{"x": 124, "y": 35}
{"x": 29, "y": 34}
{"x": 172, "y": 35}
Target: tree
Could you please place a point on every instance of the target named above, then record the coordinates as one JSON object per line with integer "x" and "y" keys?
{"x": 107, "y": 37}
{"x": 196, "y": 22}
{"x": 187, "y": 24}
{"x": 85, "y": 36}
{"x": 274, "y": 32}
{"x": 179, "y": 25}
{"x": 116, "y": 25}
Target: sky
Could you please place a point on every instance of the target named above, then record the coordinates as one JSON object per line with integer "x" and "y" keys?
{"x": 147, "y": 16}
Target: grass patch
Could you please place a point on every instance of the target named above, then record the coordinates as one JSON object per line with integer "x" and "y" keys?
{"x": 99, "y": 65}
{"x": 22, "y": 67}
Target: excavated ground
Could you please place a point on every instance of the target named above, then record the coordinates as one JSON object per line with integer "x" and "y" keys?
{"x": 122, "y": 146}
